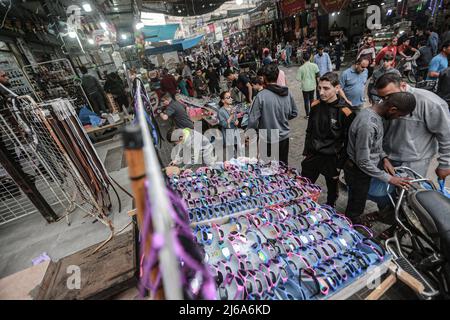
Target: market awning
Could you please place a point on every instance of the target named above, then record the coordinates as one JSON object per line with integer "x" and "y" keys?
{"x": 190, "y": 42}
{"x": 177, "y": 45}
{"x": 161, "y": 32}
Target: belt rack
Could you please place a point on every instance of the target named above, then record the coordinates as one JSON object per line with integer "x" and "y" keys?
{"x": 54, "y": 79}
{"x": 60, "y": 159}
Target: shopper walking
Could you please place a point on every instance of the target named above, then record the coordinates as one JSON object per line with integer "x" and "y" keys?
{"x": 308, "y": 75}
{"x": 94, "y": 91}
{"x": 200, "y": 86}
{"x": 391, "y": 48}
{"x": 367, "y": 51}
{"x": 326, "y": 134}
{"x": 338, "y": 53}
{"x": 353, "y": 82}
{"x": 433, "y": 40}
{"x": 424, "y": 59}
{"x": 288, "y": 49}
{"x": 176, "y": 112}
{"x": 365, "y": 150}
{"x": 213, "y": 80}
{"x": 272, "y": 108}
{"x": 440, "y": 62}
{"x": 323, "y": 61}
{"x": 187, "y": 72}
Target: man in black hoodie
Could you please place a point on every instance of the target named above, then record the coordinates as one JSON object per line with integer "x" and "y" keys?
{"x": 272, "y": 108}
{"x": 326, "y": 135}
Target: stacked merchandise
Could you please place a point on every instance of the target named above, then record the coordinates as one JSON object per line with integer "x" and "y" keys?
{"x": 17, "y": 81}
{"x": 55, "y": 79}
{"x": 265, "y": 237}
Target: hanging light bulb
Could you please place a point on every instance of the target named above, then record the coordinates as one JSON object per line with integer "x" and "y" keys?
{"x": 103, "y": 25}
{"x": 87, "y": 7}
{"x": 91, "y": 41}
{"x": 239, "y": 2}
{"x": 139, "y": 25}
{"x": 72, "y": 34}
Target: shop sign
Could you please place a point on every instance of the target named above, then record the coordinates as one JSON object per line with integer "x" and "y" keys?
{"x": 291, "y": 7}
{"x": 334, "y": 5}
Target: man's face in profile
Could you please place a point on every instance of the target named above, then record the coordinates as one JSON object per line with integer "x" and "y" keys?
{"x": 4, "y": 80}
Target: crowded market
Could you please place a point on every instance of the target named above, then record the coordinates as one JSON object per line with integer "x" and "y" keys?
{"x": 224, "y": 150}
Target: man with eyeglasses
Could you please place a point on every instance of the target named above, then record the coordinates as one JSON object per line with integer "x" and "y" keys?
{"x": 353, "y": 82}
{"x": 415, "y": 140}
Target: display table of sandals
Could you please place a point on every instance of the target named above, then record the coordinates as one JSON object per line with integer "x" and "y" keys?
{"x": 264, "y": 236}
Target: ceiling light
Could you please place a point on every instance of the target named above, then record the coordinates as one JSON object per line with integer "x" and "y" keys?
{"x": 139, "y": 25}
{"x": 179, "y": 11}
{"x": 239, "y": 2}
{"x": 333, "y": 14}
{"x": 87, "y": 7}
{"x": 124, "y": 36}
{"x": 103, "y": 25}
{"x": 116, "y": 9}
{"x": 382, "y": 3}
{"x": 399, "y": 1}
{"x": 339, "y": 13}
{"x": 359, "y": 5}
{"x": 72, "y": 34}
{"x": 91, "y": 41}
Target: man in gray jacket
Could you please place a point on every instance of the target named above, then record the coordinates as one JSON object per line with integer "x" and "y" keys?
{"x": 365, "y": 150}
{"x": 272, "y": 109}
{"x": 414, "y": 141}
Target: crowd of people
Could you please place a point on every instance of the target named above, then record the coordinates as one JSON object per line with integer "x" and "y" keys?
{"x": 399, "y": 125}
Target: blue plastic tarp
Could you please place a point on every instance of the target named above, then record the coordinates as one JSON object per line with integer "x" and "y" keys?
{"x": 161, "y": 32}
{"x": 177, "y": 45}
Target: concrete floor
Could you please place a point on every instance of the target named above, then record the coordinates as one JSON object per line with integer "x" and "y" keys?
{"x": 27, "y": 238}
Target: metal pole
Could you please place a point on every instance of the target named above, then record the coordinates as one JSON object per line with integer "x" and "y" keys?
{"x": 161, "y": 219}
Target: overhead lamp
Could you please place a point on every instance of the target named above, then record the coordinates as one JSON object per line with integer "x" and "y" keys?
{"x": 179, "y": 11}
{"x": 139, "y": 25}
{"x": 87, "y": 7}
{"x": 339, "y": 13}
{"x": 103, "y": 25}
{"x": 399, "y": 1}
{"x": 91, "y": 41}
{"x": 72, "y": 34}
{"x": 239, "y": 2}
{"x": 124, "y": 36}
{"x": 382, "y": 3}
{"x": 333, "y": 14}
{"x": 116, "y": 9}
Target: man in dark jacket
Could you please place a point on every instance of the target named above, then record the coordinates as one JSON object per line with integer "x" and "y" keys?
{"x": 213, "y": 80}
{"x": 94, "y": 91}
{"x": 326, "y": 136}
{"x": 272, "y": 109}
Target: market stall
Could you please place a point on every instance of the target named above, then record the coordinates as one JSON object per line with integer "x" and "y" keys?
{"x": 244, "y": 230}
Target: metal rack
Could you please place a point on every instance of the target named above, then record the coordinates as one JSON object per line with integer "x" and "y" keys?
{"x": 37, "y": 150}
{"x": 54, "y": 79}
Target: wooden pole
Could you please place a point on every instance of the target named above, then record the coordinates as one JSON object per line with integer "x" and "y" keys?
{"x": 134, "y": 154}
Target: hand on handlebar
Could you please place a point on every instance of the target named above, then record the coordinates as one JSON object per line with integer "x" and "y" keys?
{"x": 403, "y": 183}
{"x": 388, "y": 167}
